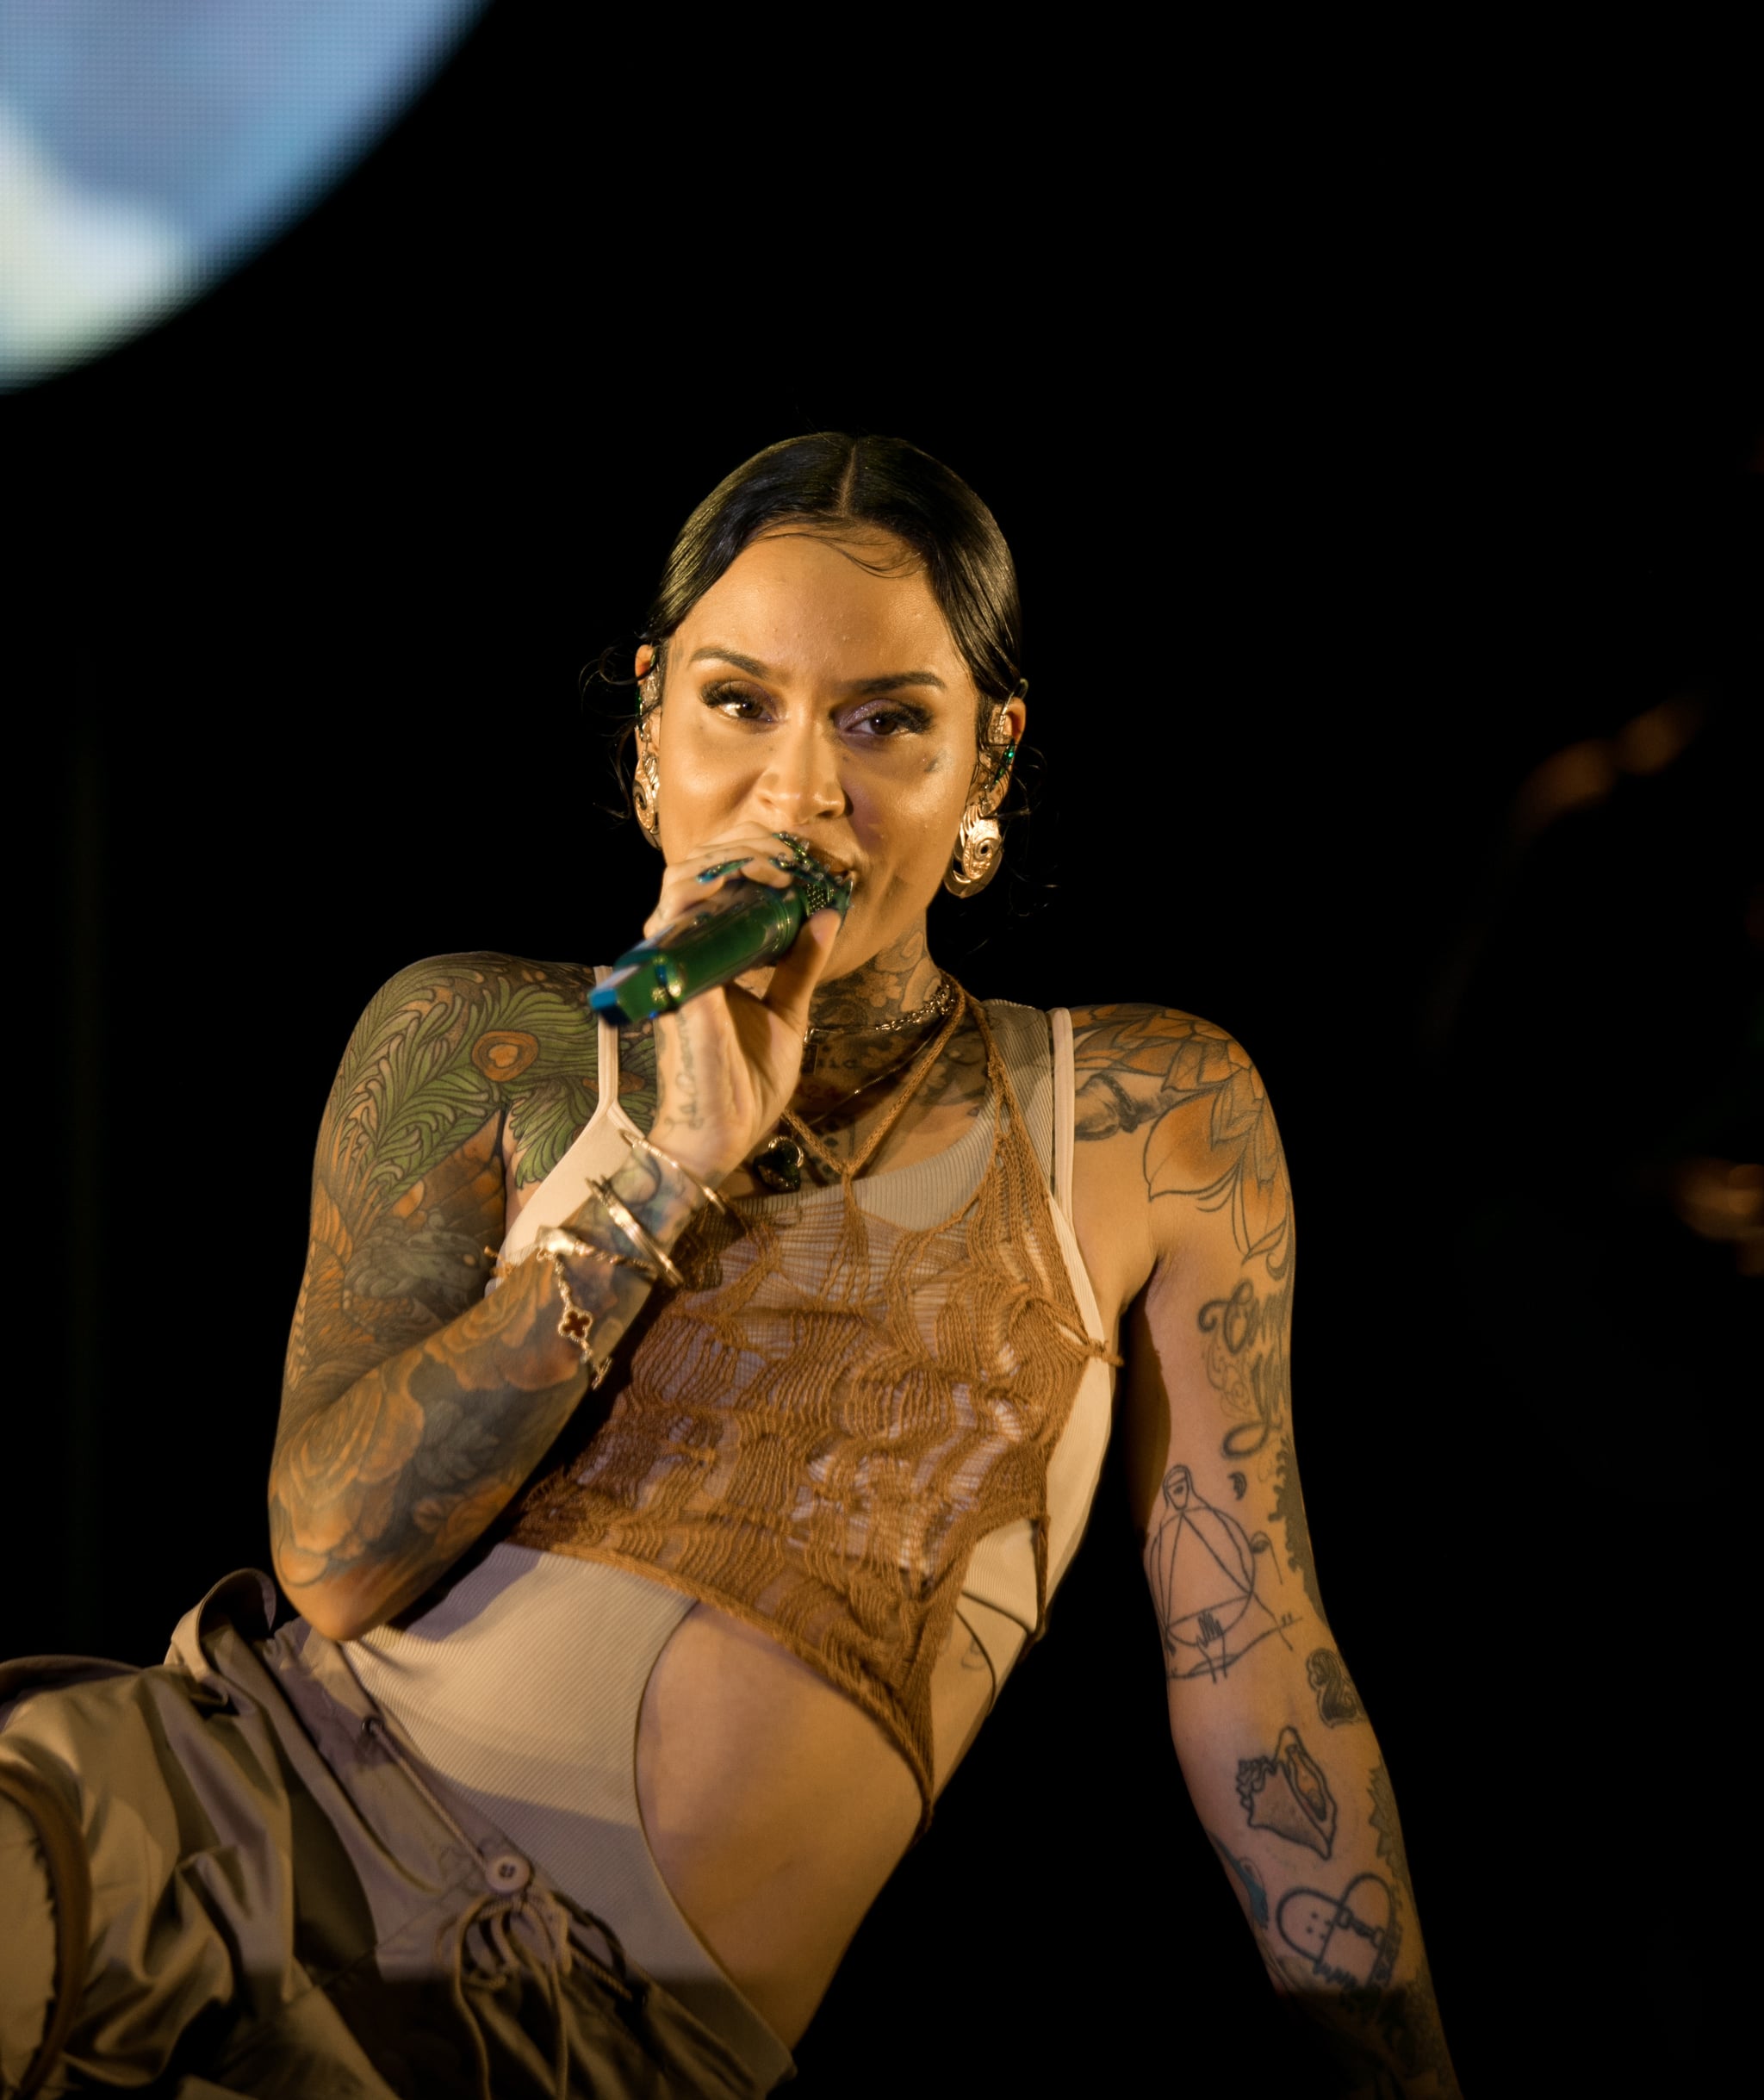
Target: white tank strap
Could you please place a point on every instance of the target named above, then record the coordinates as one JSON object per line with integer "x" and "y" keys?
{"x": 605, "y": 1051}
{"x": 1064, "y": 1105}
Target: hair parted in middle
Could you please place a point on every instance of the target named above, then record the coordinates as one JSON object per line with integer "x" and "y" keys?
{"x": 829, "y": 480}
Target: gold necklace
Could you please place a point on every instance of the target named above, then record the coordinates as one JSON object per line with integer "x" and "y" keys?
{"x": 939, "y": 1002}
{"x": 779, "y": 1167}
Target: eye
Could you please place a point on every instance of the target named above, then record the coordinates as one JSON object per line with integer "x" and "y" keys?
{"x": 892, "y": 719}
{"x": 738, "y": 702}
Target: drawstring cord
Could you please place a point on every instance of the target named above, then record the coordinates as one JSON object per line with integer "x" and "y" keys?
{"x": 496, "y": 1914}
{"x": 499, "y": 1913}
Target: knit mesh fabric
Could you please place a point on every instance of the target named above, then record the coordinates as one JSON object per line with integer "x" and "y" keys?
{"x": 821, "y": 1426}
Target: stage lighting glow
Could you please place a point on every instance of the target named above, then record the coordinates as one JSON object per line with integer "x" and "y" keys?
{"x": 147, "y": 146}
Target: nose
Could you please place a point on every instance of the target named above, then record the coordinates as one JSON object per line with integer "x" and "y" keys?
{"x": 801, "y": 781}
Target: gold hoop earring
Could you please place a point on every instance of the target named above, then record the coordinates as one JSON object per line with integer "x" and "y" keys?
{"x": 979, "y": 855}
{"x": 979, "y": 843}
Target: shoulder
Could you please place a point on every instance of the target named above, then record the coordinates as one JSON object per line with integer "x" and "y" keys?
{"x": 474, "y": 976}
{"x": 476, "y": 1022}
{"x": 505, "y": 1008}
{"x": 1136, "y": 1056}
{"x": 1182, "y": 1097}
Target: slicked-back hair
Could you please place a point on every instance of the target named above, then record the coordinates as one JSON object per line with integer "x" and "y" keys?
{"x": 831, "y": 479}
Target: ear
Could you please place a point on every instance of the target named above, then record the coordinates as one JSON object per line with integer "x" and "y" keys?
{"x": 1004, "y": 722}
{"x": 648, "y": 718}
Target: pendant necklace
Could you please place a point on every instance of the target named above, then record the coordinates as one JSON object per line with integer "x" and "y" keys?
{"x": 778, "y": 1166}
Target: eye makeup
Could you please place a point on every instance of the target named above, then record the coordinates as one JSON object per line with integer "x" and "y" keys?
{"x": 881, "y": 721}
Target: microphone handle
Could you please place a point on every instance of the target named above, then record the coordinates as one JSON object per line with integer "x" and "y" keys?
{"x": 744, "y": 925}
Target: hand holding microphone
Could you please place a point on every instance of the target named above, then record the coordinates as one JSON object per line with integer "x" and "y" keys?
{"x": 728, "y": 1062}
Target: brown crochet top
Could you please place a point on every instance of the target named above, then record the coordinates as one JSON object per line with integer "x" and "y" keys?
{"x": 819, "y": 1429}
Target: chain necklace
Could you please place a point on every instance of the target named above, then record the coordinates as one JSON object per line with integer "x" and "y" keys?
{"x": 779, "y": 1167}
{"x": 939, "y": 1003}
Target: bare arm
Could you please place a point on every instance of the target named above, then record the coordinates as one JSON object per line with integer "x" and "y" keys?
{"x": 413, "y": 1406}
{"x": 1281, "y": 1762}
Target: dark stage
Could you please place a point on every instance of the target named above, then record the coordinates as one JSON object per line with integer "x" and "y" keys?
{"x": 1385, "y": 718}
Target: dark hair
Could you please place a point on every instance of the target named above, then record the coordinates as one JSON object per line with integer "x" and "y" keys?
{"x": 831, "y": 479}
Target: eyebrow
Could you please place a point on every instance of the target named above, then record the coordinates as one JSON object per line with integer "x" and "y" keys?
{"x": 754, "y": 668}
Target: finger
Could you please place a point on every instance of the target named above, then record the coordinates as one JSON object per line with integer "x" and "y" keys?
{"x": 772, "y": 868}
{"x": 747, "y": 843}
{"x": 685, "y": 888}
{"x": 794, "y": 979}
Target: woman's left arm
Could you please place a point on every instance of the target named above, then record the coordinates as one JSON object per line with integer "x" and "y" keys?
{"x": 1280, "y": 1759}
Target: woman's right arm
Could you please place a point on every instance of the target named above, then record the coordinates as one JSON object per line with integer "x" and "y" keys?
{"x": 413, "y": 1406}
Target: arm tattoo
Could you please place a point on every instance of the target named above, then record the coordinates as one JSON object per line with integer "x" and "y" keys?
{"x": 1336, "y": 1948}
{"x": 1338, "y": 1703}
{"x": 1246, "y": 1359}
{"x": 414, "y": 1407}
{"x": 1209, "y": 1132}
{"x": 1205, "y": 1573}
{"x": 1345, "y": 1947}
{"x": 1286, "y": 1793}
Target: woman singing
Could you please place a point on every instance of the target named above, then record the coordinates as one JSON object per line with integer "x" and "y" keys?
{"x": 686, "y": 1425}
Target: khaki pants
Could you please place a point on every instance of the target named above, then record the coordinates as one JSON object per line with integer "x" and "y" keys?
{"x": 227, "y": 1876}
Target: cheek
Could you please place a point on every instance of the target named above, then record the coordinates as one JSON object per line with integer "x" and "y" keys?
{"x": 913, "y": 816}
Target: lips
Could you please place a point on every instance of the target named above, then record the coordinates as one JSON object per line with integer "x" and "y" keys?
{"x": 814, "y": 862}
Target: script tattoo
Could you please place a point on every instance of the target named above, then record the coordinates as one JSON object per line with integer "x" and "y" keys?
{"x": 1246, "y": 1364}
{"x": 1210, "y": 1133}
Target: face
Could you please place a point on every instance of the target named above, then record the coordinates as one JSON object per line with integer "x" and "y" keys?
{"x": 807, "y": 694}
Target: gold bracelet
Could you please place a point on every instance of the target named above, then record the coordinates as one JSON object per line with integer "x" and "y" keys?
{"x": 579, "y": 1243}
{"x": 637, "y": 1141}
{"x": 577, "y": 1325}
{"x": 641, "y": 1238}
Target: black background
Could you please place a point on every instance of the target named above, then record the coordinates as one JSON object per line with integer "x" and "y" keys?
{"x": 1319, "y": 567}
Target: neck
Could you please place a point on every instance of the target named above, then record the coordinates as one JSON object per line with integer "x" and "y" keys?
{"x": 858, "y": 1054}
{"x": 896, "y": 981}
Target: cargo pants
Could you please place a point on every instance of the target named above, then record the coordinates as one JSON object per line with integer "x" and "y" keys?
{"x": 229, "y": 1876}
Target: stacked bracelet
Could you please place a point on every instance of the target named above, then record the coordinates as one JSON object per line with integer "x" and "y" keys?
{"x": 640, "y": 1237}
{"x": 638, "y": 1142}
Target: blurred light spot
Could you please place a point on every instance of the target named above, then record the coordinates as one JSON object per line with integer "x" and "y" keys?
{"x": 1583, "y": 774}
{"x": 1655, "y": 739}
{"x": 147, "y": 146}
{"x": 77, "y": 268}
{"x": 1722, "y": 1199}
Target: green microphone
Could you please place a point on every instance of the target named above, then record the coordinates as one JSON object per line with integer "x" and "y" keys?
{"x": 742, "y": 926}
